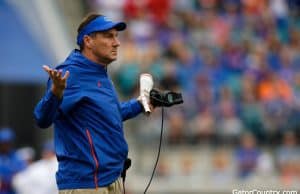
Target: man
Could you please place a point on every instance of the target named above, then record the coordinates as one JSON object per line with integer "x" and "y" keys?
{"x": 83, "y": 105}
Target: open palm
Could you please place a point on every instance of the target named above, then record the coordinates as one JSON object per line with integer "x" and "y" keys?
{"x": 59, "y": 81}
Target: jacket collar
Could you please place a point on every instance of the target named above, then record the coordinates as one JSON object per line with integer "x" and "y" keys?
{"x": 77, "y": 57}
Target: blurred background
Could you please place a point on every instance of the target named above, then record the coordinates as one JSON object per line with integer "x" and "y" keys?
{"x": 236, "y": 62}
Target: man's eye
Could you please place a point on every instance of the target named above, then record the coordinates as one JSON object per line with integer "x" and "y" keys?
{"x": 110, "y": 36}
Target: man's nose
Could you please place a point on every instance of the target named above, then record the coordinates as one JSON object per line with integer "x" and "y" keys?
{"x": 116, "y": 42}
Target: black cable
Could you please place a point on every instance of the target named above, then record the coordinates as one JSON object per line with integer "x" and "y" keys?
{"x": 124, "y": 186}
{"x": 159, "y": 148}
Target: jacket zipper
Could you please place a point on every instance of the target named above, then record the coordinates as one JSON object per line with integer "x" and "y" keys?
{"x": 94, "y": 157}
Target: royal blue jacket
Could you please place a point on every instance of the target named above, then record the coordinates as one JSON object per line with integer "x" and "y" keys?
{"x": 88, "y": 130}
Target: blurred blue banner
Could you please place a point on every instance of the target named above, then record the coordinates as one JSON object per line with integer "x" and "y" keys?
{"x": 22, "y": 56}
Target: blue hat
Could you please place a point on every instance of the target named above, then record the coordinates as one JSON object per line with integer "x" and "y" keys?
{"x": 6, "y": 135}
{"x": 101, "y": 23}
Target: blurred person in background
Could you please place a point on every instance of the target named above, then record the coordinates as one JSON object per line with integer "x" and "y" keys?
{"x": 38, "y": 178}
{"x": 203, "y": 127}
{"x": 247, "y": 156}
{"x": 27, "y": 154}
{"x": 88, "y": 118}
{"x": 176, "y": 128}
{"x": 10, "y": 162}
{"x": 288, "y": 159}
{"x": 221, "y": 172}
{"x": 229, "y": 125}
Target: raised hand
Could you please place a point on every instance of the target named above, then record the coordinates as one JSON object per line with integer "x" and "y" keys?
{"x": 59, "y": 82}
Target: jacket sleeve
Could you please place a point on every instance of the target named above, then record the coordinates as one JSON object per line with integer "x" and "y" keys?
{"x": 47, "y": 108}
{"x": 130, "y": 109}
{"x": 50, "y": 107}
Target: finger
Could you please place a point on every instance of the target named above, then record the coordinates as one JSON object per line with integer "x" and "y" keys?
{"x": 51, "y": 73}
{"x": 59, "y": 73}
{"x": 46, "y": 68}
{"x": 55, "y": 73}
{"x": 67, "y": 74}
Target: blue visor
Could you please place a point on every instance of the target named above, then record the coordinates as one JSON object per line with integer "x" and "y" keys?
{"x": 99, "y": 24}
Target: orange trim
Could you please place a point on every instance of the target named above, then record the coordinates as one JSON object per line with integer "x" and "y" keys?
{"x": 94, "y": 156}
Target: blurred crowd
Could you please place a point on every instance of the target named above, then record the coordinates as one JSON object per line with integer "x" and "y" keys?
{"x": 237, "y": 63}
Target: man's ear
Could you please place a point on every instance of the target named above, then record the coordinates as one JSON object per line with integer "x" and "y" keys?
{"x": 88, "y": 41}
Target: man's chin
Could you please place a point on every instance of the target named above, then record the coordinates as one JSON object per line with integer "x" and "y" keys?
{"x": 112, "y": 59}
